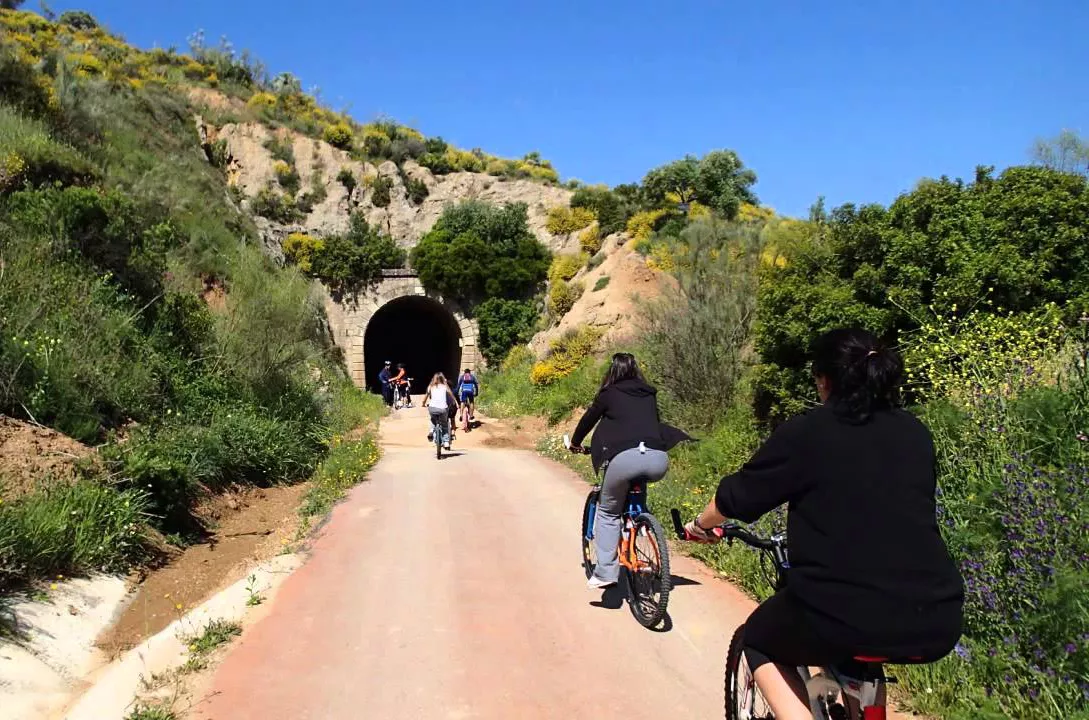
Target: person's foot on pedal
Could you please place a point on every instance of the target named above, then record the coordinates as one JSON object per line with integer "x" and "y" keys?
{"x": 447, "y": 446}
{"x": 430, "y": 437}
{"x": 596, "y": 583}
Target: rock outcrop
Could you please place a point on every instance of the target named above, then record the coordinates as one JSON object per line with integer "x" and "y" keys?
{"x": 252, "y": 168}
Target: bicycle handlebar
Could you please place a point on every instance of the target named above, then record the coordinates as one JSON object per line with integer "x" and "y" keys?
{"x": 728, "y": 530}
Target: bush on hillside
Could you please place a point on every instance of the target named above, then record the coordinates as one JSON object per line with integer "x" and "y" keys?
{"x": 642, "y": 224}
{"x": 503, "y": 324}
{"x": 380, "y": 187}
{"x": 602, "y": 283}
{"x": 78, "y": 19}
{"x": 346, "y": 178}
{"x": 1018, "y": 240}
{"x": 564, "y": 267}
{"x": 562, "y": 296}
{"x": 287, "y": 176}
{"x": 416, "y": 189}
{"x": 349, "y": 261}
{"x": 31, "y": 154}
{"x": 565, "y": 220}
{"x": 339, "y": 135}
{"x": 276, "y": 206}
{"x": 611, "y": 211}
{"x": 300, "y": 249}
{"x": 477, "y": 251}
{"x": 696, "y": 335}
{"x": 566, "y": 355}
{"x": 590, "y": 239}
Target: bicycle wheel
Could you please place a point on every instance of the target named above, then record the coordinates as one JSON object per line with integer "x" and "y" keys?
{"x": 649, "y": 586}
{"x": 589, "y": 555}
{"x": 743, "y": 698}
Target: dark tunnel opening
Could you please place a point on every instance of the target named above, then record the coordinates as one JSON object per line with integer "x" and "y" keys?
{"x": 417, "y": 331}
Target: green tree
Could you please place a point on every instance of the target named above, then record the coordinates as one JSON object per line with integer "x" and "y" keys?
{"x": 356, "y": 258}
{"x": 1016, "y": 241}
{"x": 1066, "y": 152}
{"x": 718, "y": 180}
{"x": 478, "y": 251}
{"x": 78, "y": 19}
{"x": 286, "y": 84}
{"x": 10, "y": 4}
{"x": 503, "y": 324}
{"x": 611, "y": 209}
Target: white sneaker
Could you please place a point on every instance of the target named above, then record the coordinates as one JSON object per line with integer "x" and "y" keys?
{"x": 596, "y": 583}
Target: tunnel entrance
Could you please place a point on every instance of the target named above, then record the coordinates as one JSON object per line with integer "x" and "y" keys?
{"x": 417, "y": 331}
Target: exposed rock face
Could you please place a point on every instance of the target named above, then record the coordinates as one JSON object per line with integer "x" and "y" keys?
{"x": 251, "y": 170}
{"x": 613, "y": 307}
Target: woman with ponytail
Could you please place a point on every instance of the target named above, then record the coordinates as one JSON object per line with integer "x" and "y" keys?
{"x": 869, "y": 572}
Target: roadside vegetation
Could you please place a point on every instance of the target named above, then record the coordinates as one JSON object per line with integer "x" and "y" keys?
{"x": 138, "y": 313}
{"x": 982, "y": 285}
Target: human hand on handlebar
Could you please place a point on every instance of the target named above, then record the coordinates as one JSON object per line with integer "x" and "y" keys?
{"x": 695, "y": 533}
{"x": 578, "y": 450}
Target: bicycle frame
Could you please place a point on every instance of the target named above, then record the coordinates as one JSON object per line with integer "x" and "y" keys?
{"x": 634, "y": 506}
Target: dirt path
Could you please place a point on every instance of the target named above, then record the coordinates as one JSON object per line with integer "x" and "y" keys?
{"x": 453, "y": 589}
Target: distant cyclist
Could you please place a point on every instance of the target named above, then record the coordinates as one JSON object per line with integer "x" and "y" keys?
{"x": 869, "y": 572}
{"x": 468, "y": 389}
{"x": 439, "y": 401}
{"x": 399, "y": 384}
{"x": 630, "y": 442}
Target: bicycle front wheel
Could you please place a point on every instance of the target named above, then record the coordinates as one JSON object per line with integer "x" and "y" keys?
{"x": 649, "y": 581}
{"x": 589, "y": 555}
{"x": 743, "y": 698}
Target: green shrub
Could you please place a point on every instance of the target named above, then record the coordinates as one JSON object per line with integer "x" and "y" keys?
{"x": 78, "y": 19}
{"x": 280, "y": 147}
{"x": 287, "y": 176}
{"x": 562, "y": 296}
{"x": 503, "y": 324}
{"x": 590, "y": 240}
{"x": 596, "y": 261}
{"x": 696, "y": 334}
{"x": 718, "y": 180}
{"x": 511, "y": 390}
{"x": 611, "y": 211}
{"x": 416, "y": 189}
{"x": 346, "y": 178}
{"x": 339, "y": 135}
{"x": 356, "y": 258}
{"x": 437, "y": 163}
{"x": 219, "y": 154}
{"x": 268, "y": 203}
{"x": 70, "y": 529}
{"x": 380, "y": 188}
{"x": 602, "y": 283}
{"x": 346, "y": 466}
{"x": 476, "y": 251}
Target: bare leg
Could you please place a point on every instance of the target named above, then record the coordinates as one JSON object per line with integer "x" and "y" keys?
{"x": 782, "y": 687}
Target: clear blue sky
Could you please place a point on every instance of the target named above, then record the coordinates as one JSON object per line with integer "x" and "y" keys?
{"x": 851, "y": 99}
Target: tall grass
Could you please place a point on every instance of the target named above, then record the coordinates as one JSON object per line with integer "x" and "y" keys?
{"x": 70, "y": 528}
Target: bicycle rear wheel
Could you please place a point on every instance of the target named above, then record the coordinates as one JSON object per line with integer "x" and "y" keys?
{"x": 589, "y": 555}
{"x": 743, "y": 698}
{"x": 649, "y": 586}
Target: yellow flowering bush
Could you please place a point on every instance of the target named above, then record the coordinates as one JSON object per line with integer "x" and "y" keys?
{"x": 301, "y": 249}
{"x": 262, "y": 100}
{"x": 590, "y": 238}
{"x": 12, "y": 167}
{"x": 662, "y": 258}
{"x": 563, "y": 220}
{"x": 564, "y": 266}
{"x": 984, "y": 353}
{"x": 195, "y": 70}
{"x": 562, "y": 296}
{"x": 753, "y": 213}
{"x": 641, "y": 225}
{"x": 86, "y": 64}
{"x": 565, "y": 355}
{"x": 338, "y": 135}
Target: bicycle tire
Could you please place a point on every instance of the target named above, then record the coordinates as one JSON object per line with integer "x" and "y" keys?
{"x": 589, "y": 556}
{"x": 742, "y": 705}
{"x": 648, "y": 593}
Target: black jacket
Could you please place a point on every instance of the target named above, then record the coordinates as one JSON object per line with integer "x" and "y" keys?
{"x": 867, "y": 560}
{"x": 626, "y": 414}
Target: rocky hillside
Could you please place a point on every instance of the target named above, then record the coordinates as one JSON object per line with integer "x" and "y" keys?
{"x": 344, "y": 185}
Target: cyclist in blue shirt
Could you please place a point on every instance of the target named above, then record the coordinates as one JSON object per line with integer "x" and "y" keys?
{"x": 384, "y": 378}
{"x": 468, "y": 389}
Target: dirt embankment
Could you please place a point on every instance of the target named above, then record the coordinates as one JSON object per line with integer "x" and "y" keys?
{"x": 32, "y": 455}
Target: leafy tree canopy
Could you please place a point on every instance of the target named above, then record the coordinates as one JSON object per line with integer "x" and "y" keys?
{"x": 718, "y": 180}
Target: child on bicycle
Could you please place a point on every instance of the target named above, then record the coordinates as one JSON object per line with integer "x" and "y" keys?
{"x": 869, "y": 572}
{"x": 631, "y": 444}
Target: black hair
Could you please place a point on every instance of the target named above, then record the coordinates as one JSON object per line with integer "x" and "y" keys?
{"x": 468, "y": 370}
{"x": 863, "y": 374}
{"x": 623, "y": 367}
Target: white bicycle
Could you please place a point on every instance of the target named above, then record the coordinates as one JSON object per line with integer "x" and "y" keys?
{"x": 853, "y": 691}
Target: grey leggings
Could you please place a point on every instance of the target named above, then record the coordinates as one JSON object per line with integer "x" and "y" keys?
{"x": 649, "y": 466}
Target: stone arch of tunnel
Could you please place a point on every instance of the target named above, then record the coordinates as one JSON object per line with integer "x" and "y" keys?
{"x": 420, "y": 332}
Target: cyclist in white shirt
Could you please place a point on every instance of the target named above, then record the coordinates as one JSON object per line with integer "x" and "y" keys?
{"x": 439, "y": 400}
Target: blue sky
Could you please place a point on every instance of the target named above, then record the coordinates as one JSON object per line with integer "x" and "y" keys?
{"x": 854, "y": 100}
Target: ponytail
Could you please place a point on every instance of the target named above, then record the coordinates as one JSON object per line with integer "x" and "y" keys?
{"x": 863, "y": 375}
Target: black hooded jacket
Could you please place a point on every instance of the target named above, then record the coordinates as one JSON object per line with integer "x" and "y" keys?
{"x": 626, "y": 414}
